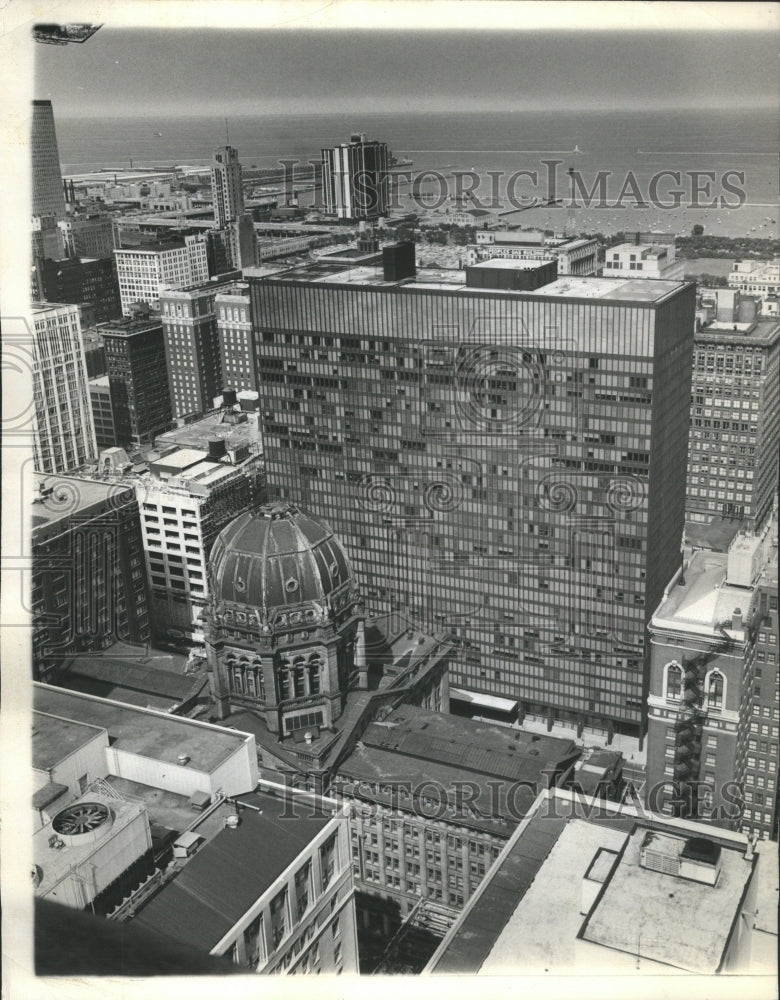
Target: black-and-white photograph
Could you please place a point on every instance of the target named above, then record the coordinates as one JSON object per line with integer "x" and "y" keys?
{"x": 390, "y": 477}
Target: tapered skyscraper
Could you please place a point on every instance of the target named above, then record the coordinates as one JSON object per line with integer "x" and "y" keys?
{"x": 47, "y": 193}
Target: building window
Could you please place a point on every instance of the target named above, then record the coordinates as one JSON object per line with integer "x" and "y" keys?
{"x": 302, "y": 881}
{"x": 673, "y": 681}
{"x": 328, "y": 861}
{"x": 715, "y": 687}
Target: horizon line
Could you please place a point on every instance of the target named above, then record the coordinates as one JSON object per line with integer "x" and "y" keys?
{"x": 185, "y": 113}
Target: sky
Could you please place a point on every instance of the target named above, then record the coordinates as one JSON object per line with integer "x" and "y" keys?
{"x": 123, "y": 71}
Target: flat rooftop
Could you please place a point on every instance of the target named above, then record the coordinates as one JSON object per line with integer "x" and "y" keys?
{"x": 622, "y": 289}
{"x": 184, "y": 458}
{"x": 143, "y": 731}
{"x": 231, "y": 871}
{"x": 131, "y": 325}
{"x": 42, "y": 307}
{"x": 70, "y": 495}
{"x": 705, "y": 599}
{"x": 161, "y": 247}
{"x": 763, "y": 332}
{"x": 544, "y": 925}
{"x": 639, "y": 290}
{"x": 54, "y": 739}
{"x": 476, "y": 747}
{"x": 643, "y": 911}
{"x": 214, "y": 425}
{"x": 205, "y": 473}
{"x": 643, "y": 249}
{"x": 509, "y": 264}
{"x": 147, "y": 677}
{"x": 455, "y": 757}
{"x": 716, "y": 534}
{"x": 527, "y": 910}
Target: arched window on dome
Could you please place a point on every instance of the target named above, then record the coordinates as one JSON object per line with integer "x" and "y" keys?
{"x": 285, "y": 684}
{"x": 250, "y": 683}
{"x": 315, "y": 673}
{"x": 237, "y": 676}
{"x": 715, "y": 688}
{"x": 673, "y": 677}
{"x": 299, "y": 681}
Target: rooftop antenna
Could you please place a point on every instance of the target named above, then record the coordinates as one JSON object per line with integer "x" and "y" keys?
{"x": 227, "y": 133}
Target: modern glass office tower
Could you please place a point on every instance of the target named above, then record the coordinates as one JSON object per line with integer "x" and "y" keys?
{"x": 510, "y": 465}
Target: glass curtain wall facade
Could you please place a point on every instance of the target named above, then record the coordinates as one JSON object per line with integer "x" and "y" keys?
{"x": 507, "y": 466}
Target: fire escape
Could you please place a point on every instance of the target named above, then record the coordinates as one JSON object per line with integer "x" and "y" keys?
{"x": 691, "y": 717}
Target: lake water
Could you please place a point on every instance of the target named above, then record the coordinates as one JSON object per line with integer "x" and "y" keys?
{"x": 495, "y": 147}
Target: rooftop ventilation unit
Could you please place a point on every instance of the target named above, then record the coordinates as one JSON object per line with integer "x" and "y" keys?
{"x": 696, "y": 858}
{"x": 82, "y": 822}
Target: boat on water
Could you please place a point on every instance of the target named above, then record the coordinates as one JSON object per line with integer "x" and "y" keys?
{"x": 158, "y": 135}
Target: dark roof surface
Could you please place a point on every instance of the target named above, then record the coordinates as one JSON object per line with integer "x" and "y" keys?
{"x": 477, "y": 934}
{"x": 228, "y": 874}
{"x": 276, "y": 557}
{"x": 55, "y": 738}
{"x": 137, "y": 680}
{"x": 478, "y": 747}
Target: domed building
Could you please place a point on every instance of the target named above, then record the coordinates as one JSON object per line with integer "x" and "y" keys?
{"x": 284, "y": 625}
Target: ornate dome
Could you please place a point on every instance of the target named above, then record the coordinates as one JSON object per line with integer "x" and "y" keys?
{"x": 279, "y": 556}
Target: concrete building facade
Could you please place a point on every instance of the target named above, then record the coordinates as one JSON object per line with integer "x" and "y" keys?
{"x": 756, "y": 277}
{"x": 144, "y": 272}
{"x": 758, "y": 746}
{"x": 574, "y": 256}
{"x": 192, "y": 347}
{"x": 185, "y": 502}
{"x": 735, "y": 420}
{"x": 88, "y": 578}
{"x": 707, "y": 718}
{"x": 648, "y": 260}
{"x": 234, "y": 332}
{"x": 64, "y": 436}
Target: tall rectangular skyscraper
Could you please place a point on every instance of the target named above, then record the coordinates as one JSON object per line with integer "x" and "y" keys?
{"x": 735, "y": 421}
{"x": 355, "y": 183}
{"x": 138, "y": 379}
{"x": 226, "y": 190}
{"x": 509, "y": 465}
{"x": 48, "y": 197}
{"x": 64, "y": 432}
{"x": 192, "y": 345}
